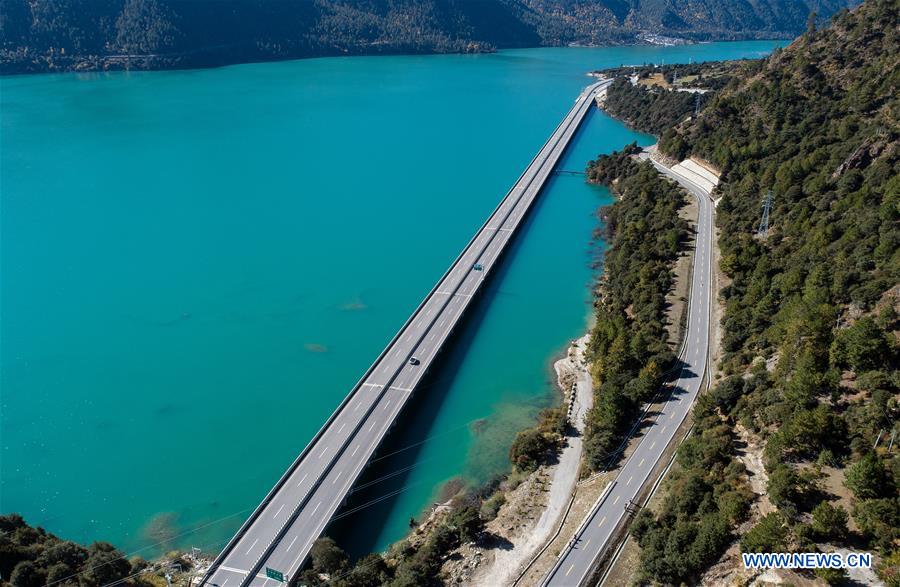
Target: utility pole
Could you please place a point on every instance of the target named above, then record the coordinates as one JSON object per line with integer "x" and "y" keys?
{"x": 763, "y": 229}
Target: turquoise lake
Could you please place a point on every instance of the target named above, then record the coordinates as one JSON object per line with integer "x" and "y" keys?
{"x": 198, "y": 265}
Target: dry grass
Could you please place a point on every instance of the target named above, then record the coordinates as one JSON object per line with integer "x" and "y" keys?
{"x": 676, "y": 299}
{"x": 655, "y": 79}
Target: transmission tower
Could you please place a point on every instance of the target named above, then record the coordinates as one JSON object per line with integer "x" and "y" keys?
{"x": 763, "y": 230}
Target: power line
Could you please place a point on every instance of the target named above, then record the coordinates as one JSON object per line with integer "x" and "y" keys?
{"x": 245, "y": 510}
{"x": 343, "y": 514}
{"x": 149, "y": 546}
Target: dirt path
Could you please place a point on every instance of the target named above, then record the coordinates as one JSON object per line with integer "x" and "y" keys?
{"x": 505, "y": 565}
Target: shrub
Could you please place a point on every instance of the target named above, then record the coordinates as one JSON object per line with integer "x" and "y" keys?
{"x": 769, "y": 535}
{"x": 529, "y": 450}
{"x": 867, "y": 477}
{"x": 829, "y": 522}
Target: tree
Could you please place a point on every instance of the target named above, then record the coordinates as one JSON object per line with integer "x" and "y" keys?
{"x": 861, "y": 347}
{"x": 879, "y": 520}
{"x": 26, "y": 574}
{"x": 467, "y": 523}
{"x": 327, "y": 556}
{"x": 784, "y": 486}
{"x": 62, "y": 575}
{"x": 528, "y": 450}
{"x": 370, "y": 570}
{"x": 144, "y": 26}
{"x": 829, "y": 522}
{"x": 727, "y": 392}
{"x": 491, "y": 506}
{"x": 769, "y": 535}
{"x": 642, "y": 524}
{"x": 867, "y": 477}
{"x": 712, "y": 537}
{"x": 104, "y": 565}
{"x": 811, "y": 24}
{"x": 66, "y": 552}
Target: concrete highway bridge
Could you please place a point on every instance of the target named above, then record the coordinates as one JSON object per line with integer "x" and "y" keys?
{"x": 272, "y": 545}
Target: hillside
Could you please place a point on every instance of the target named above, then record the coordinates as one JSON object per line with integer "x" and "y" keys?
{"x": 599, "y": 22}
{"x": 48, "y": 35}
{"x": 810, "y": 345}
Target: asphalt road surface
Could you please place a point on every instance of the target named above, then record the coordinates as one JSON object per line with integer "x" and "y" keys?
{"x": 281, "y": 531}
{"x": 576, "y": 562}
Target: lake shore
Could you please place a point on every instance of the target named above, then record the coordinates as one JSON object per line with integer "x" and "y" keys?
{"x": 534, "y": 510}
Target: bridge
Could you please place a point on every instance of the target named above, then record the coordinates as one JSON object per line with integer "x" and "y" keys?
{"x": 272, "y": 545}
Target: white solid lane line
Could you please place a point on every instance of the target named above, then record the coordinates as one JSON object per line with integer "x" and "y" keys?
{"x": 251, "y": 546}
{"x": 513, "y": 208}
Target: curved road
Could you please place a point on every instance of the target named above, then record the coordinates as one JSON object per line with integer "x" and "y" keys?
{"x": 576, "y": 564}
{"x": 281, "y": 531}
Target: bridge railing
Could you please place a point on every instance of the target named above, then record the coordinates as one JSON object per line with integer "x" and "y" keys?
{"x": 229, "y": 546}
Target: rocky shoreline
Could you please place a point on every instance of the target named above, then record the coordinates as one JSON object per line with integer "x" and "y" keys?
{"x": 535, "y": 506}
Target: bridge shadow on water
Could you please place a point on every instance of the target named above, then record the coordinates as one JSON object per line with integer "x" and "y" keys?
{"x": 357, "y": 525}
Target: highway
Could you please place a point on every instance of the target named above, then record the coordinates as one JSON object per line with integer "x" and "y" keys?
{"x": 577, "y": 562}
{"x": 281, "y": 531}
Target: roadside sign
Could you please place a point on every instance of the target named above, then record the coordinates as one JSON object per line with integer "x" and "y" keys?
{"x": 273, "y": 574}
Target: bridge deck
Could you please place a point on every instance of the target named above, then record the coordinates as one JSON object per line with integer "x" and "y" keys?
{"x": 281, "y": 531}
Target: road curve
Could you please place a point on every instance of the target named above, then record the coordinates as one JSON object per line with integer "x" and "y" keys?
{"x": 576, "y": 564}
{"x": 280, "y": 532}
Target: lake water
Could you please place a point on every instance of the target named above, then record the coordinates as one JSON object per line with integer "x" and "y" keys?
{"x": 198, "y": 265}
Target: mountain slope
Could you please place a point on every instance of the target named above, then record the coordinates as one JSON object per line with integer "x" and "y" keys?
{"x": 590, "y": 21}
{"x": 43, "y": 35}
{"x": 811, "y": 328}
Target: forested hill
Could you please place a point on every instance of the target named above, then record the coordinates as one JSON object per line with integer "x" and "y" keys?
{"x": 48, "y": 35}
{"x": 811, "y": 328}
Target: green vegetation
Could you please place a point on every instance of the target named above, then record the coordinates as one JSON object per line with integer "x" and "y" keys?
{"x": 409, "y": 563}
{"x": 653, "y": 105}
{"x": 769, "y": 535}
{"x": 629, "y": 349}
{"x": 651, "y": 110}
{"x": 707, "y": 75}
{"x": 536, "y": 446}
{"x": 418, "y": 559}
{"x": 706, "y": 497}
{"x": 47, "y": 35}
{"x": 811, "y": 319}
{"x": 32, "y": 557}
